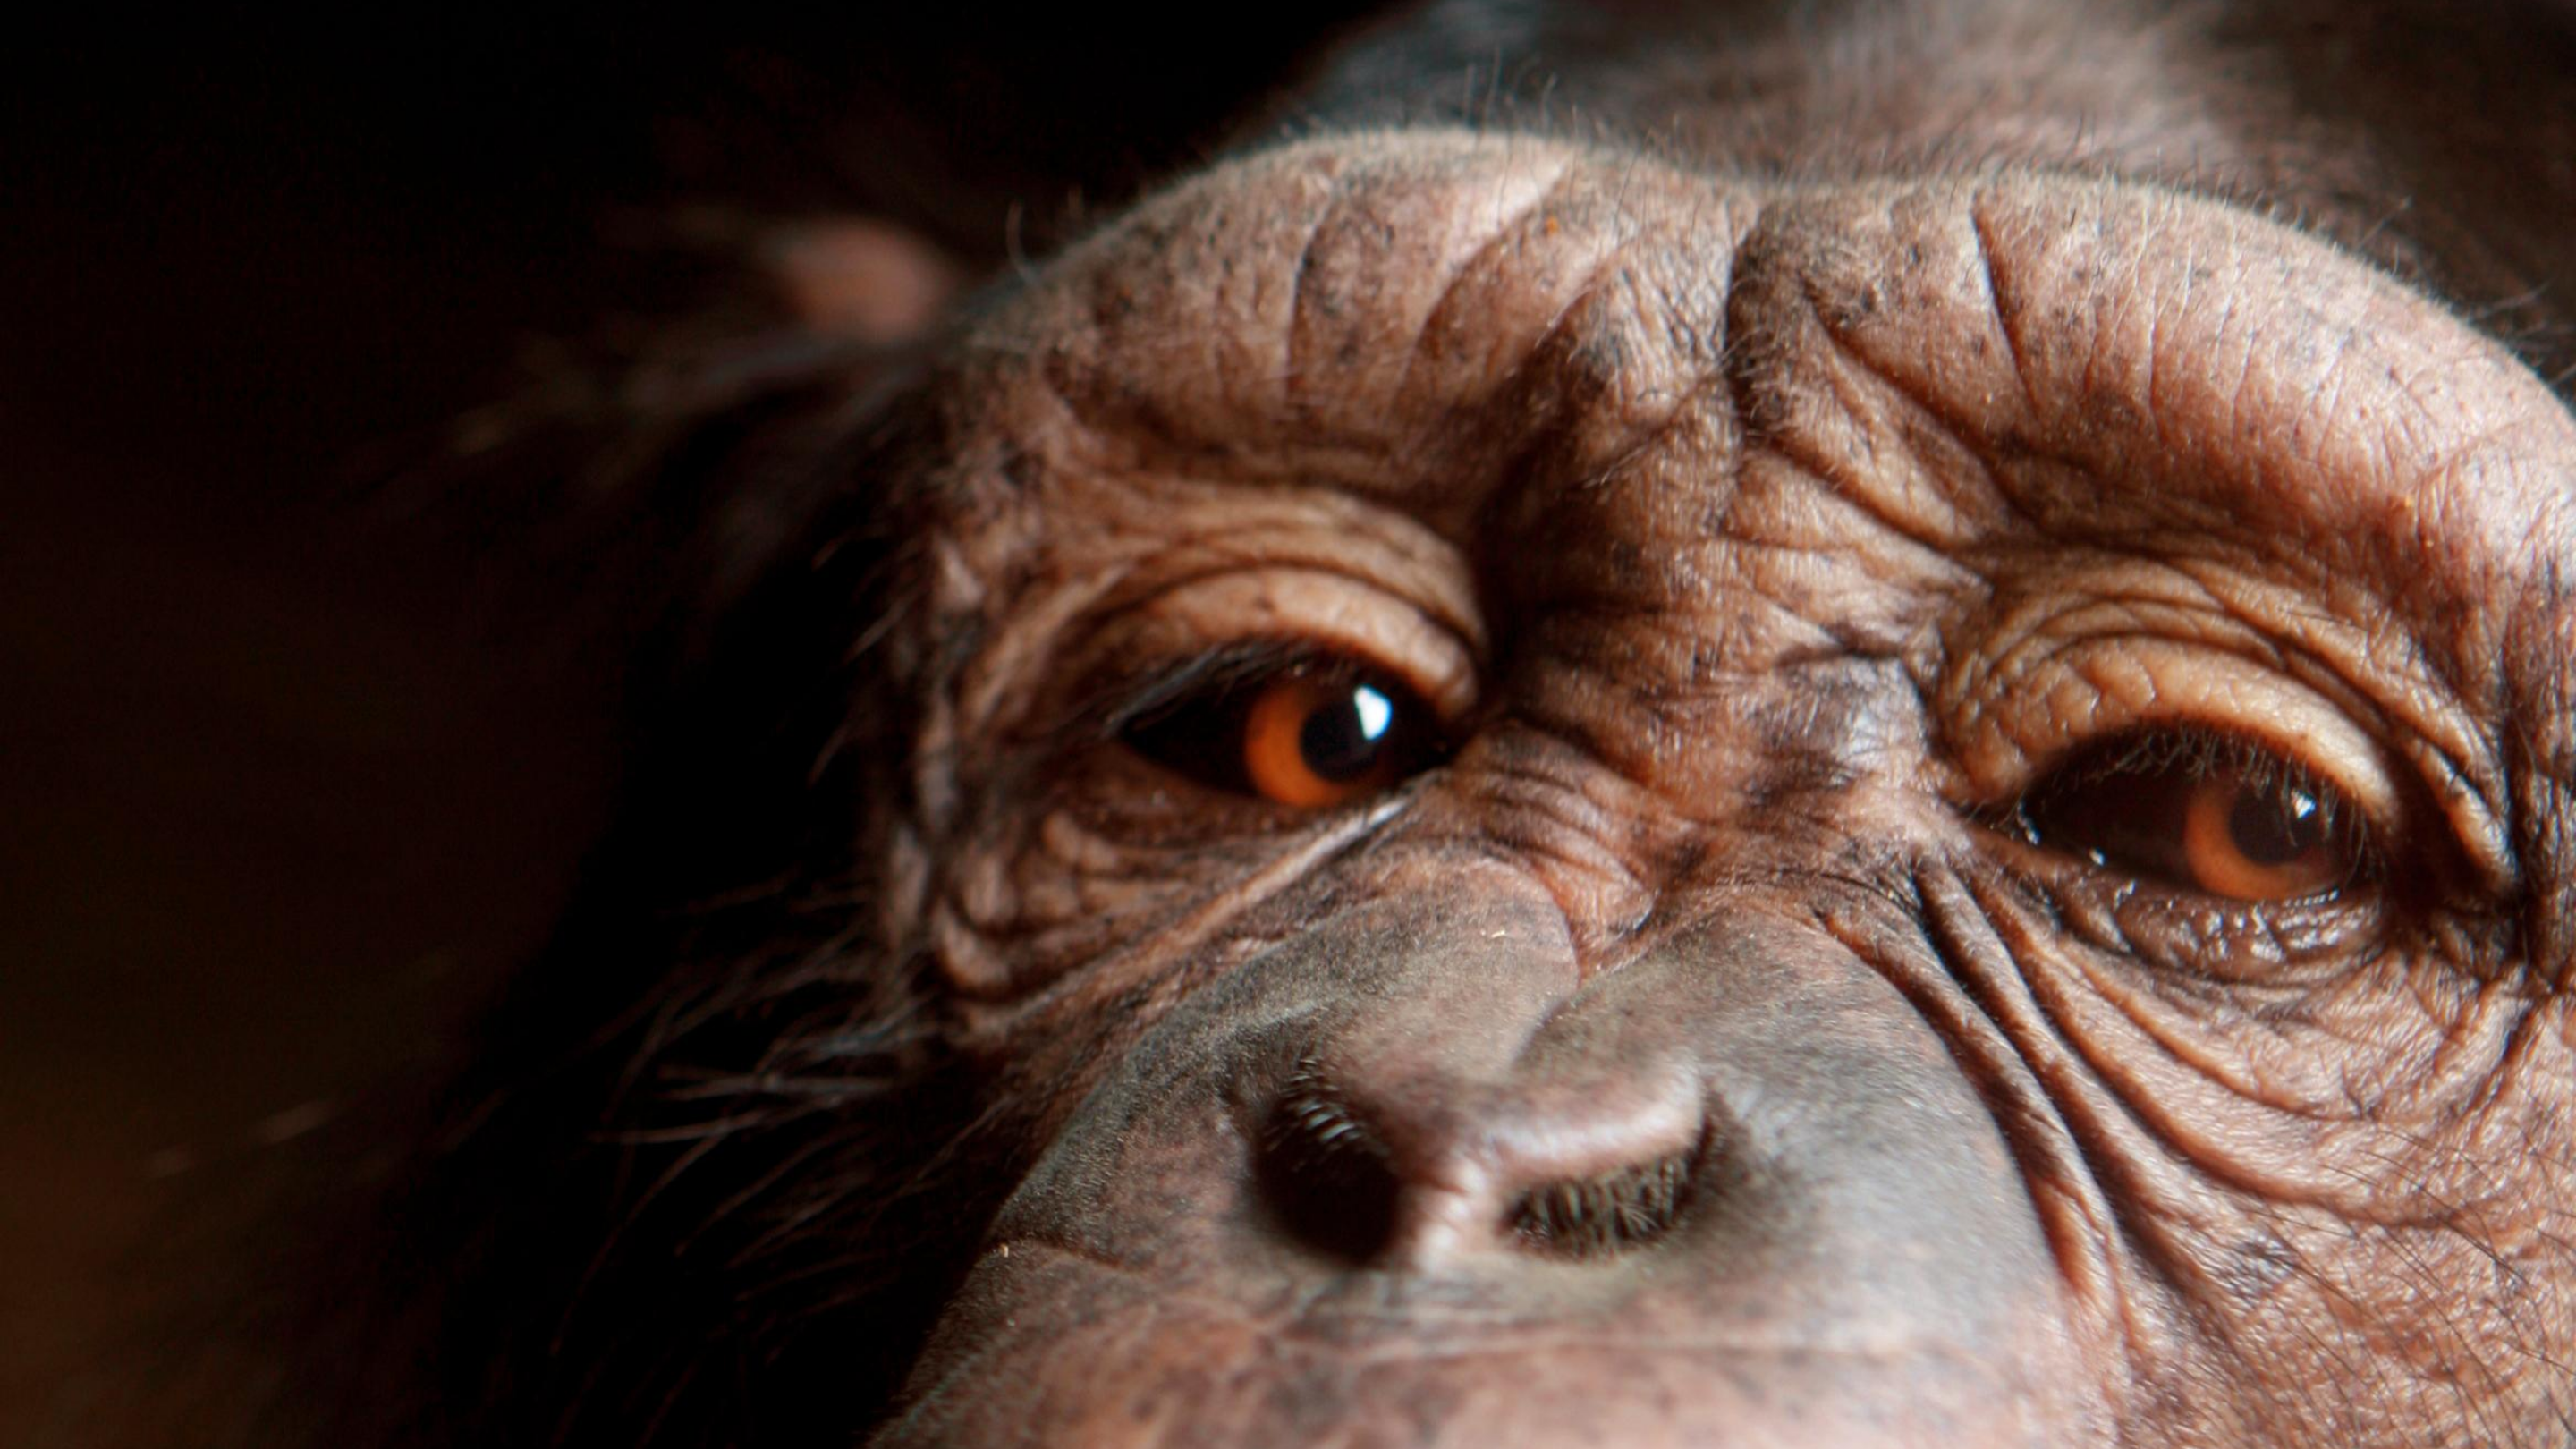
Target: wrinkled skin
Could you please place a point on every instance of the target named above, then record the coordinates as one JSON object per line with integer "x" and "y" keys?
{"x": 1770, "y": 462}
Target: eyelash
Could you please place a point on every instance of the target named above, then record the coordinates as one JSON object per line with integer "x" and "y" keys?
{"x": 1129, "y": 703}
{"x": 2132, "y": 804}
{"x": 1290, "y": 725}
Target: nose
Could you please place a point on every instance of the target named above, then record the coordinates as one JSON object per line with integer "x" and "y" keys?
{"x": 1380, "y": 1151}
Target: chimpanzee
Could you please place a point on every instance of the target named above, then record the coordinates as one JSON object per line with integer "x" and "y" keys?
{"x": 1777, "y": 722}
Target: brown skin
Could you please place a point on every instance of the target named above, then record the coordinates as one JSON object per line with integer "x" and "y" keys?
{"x": 1896, "y": 495}
{"x": 1727, "y": 1035}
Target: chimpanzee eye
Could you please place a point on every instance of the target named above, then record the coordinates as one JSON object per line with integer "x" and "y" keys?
{"x": 2216, "y": 816}
{"x": 1314, "y": 734}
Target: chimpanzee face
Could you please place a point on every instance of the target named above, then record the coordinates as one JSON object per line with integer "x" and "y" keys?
{"x": 1856, "y": 733}
{"x": 1607, "y": 804}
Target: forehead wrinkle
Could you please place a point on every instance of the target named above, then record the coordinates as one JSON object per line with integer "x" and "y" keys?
{"x": 2347, "y": 424}
{"x": 2352, "y": 414}
{"x": 2430, "y": 138}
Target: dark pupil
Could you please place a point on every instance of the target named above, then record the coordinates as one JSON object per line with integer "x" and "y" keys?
{"x": 2274, "y": 827}
{"x": 1344, "y": 739}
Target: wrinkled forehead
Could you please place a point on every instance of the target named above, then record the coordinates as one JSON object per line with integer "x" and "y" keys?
{"x": 1435, "y": 320}
{"x": 2437, "y": 139}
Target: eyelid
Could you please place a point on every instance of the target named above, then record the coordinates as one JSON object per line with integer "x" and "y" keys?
{"x": 2132, "y": 800}
{"x": 2036, "y": 708}
{"x": 2077, "y": 644}
{"x": 1282, "y": 614}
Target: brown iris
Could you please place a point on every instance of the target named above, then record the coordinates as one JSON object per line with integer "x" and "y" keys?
{"x": 2219, "y": 817}
{"x": 1318, "y": 742}
{"x": 1314, "y": 735}
{"x": 2255, "y": 841}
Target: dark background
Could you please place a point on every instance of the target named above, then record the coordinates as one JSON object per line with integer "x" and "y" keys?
{"x": 289, "y": 776}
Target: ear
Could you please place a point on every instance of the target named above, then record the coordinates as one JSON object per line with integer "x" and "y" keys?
{"x": 856, "y": 277}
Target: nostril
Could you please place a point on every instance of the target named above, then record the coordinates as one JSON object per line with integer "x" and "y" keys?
{"x": 1607, "y": 1213}
{"x": 1326, "y": 1174}
{"x": 1336, "y": 1182}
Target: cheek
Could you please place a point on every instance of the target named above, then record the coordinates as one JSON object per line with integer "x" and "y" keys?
{"x": 2358, "y": 1162}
